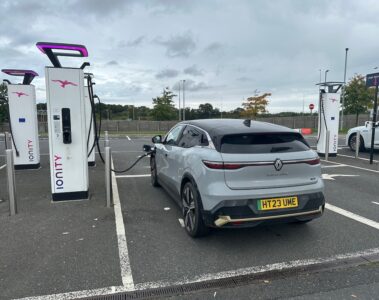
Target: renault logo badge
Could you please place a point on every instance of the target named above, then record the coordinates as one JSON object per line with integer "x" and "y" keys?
{"x": 278, "y": 164}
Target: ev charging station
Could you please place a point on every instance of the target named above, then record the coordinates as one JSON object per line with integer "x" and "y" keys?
{"x": 66, "y": 113}
{"x": 90, "y": 126}
{"x": 23, "y": 120}
{"x": 328, "y": 118}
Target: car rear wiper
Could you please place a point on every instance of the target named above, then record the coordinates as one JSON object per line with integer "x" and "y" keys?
{"x": 279, "y": 149}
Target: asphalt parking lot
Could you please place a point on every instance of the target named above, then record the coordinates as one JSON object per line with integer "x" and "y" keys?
{"x": 78, "y": 249}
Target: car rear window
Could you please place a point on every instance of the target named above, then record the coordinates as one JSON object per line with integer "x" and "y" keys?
{"x": 263, "y": 143}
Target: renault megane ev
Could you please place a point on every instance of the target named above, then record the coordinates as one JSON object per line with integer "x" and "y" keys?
{"x": 237, "y": 173}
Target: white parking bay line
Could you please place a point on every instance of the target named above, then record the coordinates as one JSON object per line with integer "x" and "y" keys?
{"x": 128, "y": 138}
{"x": 258, "y": 269}
{"x": 2, "y": 167}
{"x": 332, "y": 166}
{"x": 133, "y": 176}
{"x": 377, "y": 203}
{"x": 126, "y": 271}
{"x": 352, "y": 216}
{"x": 346, "y": 165}
{"x": 361, "y": 158}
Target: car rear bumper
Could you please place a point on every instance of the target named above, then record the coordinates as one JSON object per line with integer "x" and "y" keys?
{"x": 245, "y": 213}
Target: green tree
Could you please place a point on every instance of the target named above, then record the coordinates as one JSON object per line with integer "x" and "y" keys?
{"x": 3, "y": 104}
{"x": 164, "y": 108}
{"x": 205, "y": 111}
{"x": 255, "y": 105}
{"x": 357, "y": 97}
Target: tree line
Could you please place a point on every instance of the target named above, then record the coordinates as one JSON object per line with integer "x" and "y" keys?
{"x": 358, "y": 99}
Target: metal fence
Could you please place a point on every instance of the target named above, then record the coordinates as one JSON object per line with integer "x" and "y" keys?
{"x": 114, "y": 126}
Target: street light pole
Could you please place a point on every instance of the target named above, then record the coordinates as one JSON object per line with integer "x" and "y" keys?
{"x": 184, "y": 101}
{"x": 326, "y": 72}
{"x": 180, "y": 113}
{"x": 344, "y": 84}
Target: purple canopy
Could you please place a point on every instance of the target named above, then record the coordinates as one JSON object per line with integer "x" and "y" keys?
{"x": 14, "y": 72}
{"x": 58, "y": 46}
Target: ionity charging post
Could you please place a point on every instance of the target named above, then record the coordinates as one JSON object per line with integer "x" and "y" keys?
{"x": 328, "y": 118}
{"x": 23, "y": 120}
{"x": 67, "y": 123}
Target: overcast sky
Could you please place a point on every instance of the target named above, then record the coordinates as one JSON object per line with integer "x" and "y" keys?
{"x": 225, "y": 50}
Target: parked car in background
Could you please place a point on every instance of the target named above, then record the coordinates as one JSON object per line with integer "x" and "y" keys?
{"x": 236, "y": 173}
{"x": 365, "y": 137}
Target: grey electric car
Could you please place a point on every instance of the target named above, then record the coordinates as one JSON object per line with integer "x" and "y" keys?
{"x": 236, "y": 173}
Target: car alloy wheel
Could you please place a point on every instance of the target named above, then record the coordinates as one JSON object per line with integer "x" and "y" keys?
{"x": 189, "y": 212}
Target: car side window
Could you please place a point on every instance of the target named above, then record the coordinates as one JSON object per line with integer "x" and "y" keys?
{"x": 192, "y": 137}
{"x": 173, "y": 136}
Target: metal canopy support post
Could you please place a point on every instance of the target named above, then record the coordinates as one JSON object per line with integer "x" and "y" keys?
{"x": 108, "y": 177}
{"x": 11, "y": 183}
{"x": 343, "y": 92}
{"x": 374, "y": 122}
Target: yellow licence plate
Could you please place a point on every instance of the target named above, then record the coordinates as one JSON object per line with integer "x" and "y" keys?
{"x": 278, "y": 203}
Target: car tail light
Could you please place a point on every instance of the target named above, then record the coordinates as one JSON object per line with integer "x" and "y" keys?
{"x": 313, "y": 162}
{"x": 218, "y": 165}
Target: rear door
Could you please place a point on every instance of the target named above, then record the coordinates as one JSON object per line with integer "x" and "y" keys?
{"x": 268, "y": 160}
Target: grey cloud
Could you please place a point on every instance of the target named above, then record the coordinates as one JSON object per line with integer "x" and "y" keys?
{"x": 178, "y": 45}
{"x": 112, "y": 63}
{"x": 167, "y": 73}
{"x": 170, "y": 6}
{"x": 138, "y": 41}
{"x": 191, "y": 85}
{"x": 244, "y": 79}
{"x": 102, "y": 8}
{"x": 132, "y": 43}
{"x": 193, "y": 70}
{"x": 213, "y": 47}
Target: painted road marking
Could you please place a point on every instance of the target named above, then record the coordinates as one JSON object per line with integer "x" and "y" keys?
{"x": 352, "y": 216}
{"x": 258, "y": 269}
{"x": 126, "y": 272}
{"x": 181, "y": 221}
{"x": 355, "y": 167}
{"x": 211, "y": 276}
{"x": 361, "y": 158}
{"x": 133, "y": 176}
{"x": 377, "y": 203}
{"x": 333, "y": 166}
{"x": 129, "y": 139}
{"x": 3, "y": 166}
{"x": 331, "y": 176}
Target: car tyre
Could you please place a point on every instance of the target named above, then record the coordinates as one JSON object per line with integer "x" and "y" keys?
{"x": 154, "y": 174}
{"x": 353, "y": 142}
{"x": 192, "y": 215}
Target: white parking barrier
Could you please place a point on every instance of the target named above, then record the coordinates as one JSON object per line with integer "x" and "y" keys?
{"x": 11, "y": 183}
{"x": 108, "y": 178}
{"x": 8, "y": 140}
{"x": 106, "y": 139}
{"x": 327, "y": 145}
{"x": 357, "y": 144}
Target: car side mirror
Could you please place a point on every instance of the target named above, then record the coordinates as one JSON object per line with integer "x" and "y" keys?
{"x": 367, "y": 123}
{"x": 147, "y": 148}
{"x": 157, "y": 139}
